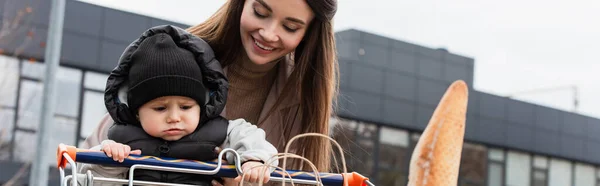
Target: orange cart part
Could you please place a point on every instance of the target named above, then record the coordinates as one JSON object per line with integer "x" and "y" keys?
{"x": 354, "y": 179}
{"x": 60, "y": 159}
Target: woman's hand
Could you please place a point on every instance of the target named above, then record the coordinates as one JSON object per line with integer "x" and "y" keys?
{"x": 118, "y": 151}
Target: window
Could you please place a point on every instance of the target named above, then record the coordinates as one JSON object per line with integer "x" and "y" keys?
{"x": 66, "y": 94}
{"x": 393, "y": 137}
{"x": 495, "y": 174}
{"x": 357, "y": 139}
{"x": 30, "y": 103}
{"x": 518, "y": 169}
{"x": 540, "y": 171}
{"x": 6, "y": 132}
{"x": 24, "y": 141}
{"x": 62, "y": 132}
{"x": 598, "y": 177}
{"x": 68, "y": 87}
{"x": 496, "y": 155}
{"x": 393, "y": 157}
{"x": 559, "y": 172}
{"x": 66, "y": 111}
{"x": 34, "y": 70}
{"x": 9, "y": 77}
{"x": 539, "y": 178}
{"x": 584, "y": 175}
{"x": 540, "y": 162}
{"x": 93, "y": 111}
{"x": 473, "y": 164}
{"x": 95, "y": 81}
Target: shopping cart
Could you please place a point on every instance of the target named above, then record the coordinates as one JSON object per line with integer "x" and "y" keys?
{"x": 71, "y": 155}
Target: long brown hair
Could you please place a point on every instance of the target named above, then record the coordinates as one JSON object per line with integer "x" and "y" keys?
{"x": 315, "y": 73}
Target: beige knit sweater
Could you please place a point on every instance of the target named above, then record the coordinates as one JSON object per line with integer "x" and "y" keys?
{"x": 248, "y": 91}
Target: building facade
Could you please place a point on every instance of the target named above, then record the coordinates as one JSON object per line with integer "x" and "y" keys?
{"x": 389, "y": 89}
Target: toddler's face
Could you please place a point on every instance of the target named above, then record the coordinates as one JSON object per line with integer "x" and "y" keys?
{"x": 170, "y": 117}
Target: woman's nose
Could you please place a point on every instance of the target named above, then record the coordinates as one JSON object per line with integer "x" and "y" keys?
{"x": 268, "y": 34}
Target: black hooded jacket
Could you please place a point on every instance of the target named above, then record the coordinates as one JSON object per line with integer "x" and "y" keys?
{"x": 199, "y": 145}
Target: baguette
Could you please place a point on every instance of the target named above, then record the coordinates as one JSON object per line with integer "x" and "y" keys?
{"x": 436, "y": 158}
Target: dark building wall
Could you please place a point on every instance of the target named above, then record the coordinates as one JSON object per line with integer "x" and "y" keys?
{"x": 93, "y": 37}
{"x": 399, "y": 84}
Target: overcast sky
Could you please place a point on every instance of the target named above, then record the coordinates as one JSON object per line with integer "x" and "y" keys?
{"x": 517, "y": 45}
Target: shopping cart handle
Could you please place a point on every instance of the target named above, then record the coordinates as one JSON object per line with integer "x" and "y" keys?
{"x": 220, "y": 170}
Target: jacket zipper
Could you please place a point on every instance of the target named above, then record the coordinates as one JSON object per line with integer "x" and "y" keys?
{"x": 164, "y": 149}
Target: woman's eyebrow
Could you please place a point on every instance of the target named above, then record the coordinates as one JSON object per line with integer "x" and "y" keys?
{"x": 265, "y": 5}
{"x": 295, "y": 20}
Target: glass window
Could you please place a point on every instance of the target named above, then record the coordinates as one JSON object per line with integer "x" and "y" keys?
{"x": 363, "y": 156}
{"x": 6, "y": 131}
{"x": 584, "y": 175}
{"x": 366, "y": 130}
{"x": 24, "y": 150}
{"x": 7, "y": 116}
{"x": 67, "y": 98}
{"x": 63, "y": 132}
{"x": 496, "y": 154}
{"x": 35, "y": 70}
{"x": 95, "y": 81}
{"x": 495, "y": 174}
{"x": 540, "y": 162}
{"x": 539, "y": 178}
{"x": 395, "y": 137}
{"x": 9, "y": 77}
{"x": 473, "y": 164}
{"x": 518, "y": 169}
{"x": 393, "y": 157}
{"x": 559, "y": 172}
{"x": 598, "y": 176}
{"x": 68, "y": 82}
{"x": 358, "y": 143}
{"x": 93, "y": 111}
{"x": 30, "y": 102}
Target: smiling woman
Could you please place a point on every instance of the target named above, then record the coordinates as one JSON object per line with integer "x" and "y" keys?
{"x": 287, "y": 79}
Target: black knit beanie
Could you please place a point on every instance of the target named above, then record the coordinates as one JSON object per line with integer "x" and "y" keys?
{"x": 161, "y": 68}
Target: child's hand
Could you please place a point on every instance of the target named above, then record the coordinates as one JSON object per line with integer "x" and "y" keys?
{"x": 253, "y": 174}
{"x": 118, "y": 151}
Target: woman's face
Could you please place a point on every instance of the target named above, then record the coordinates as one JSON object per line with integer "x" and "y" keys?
{"x": 271, "y": 29}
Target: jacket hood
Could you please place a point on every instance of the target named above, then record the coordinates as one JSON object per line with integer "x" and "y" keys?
{"x": 115, "y": 96}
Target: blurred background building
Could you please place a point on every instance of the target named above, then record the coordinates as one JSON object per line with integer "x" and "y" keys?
{"x": 389, "y": 89}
